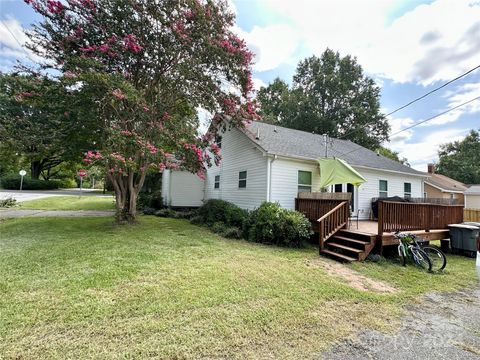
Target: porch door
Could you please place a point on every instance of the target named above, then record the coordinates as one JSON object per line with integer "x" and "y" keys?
{"x": 351, "y": 189}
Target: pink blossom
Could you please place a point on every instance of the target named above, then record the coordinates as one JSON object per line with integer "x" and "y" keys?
{"x": 26, "y": 94}
{"x": 89, "y": 3}
{"x": 69, "y": 74}
{"x": 130, "y": 43}
{"x": 146, "y": 109}
{"x": 189, "y": 14}
{"x": 119, "y": 94}
{"x": 215, "y": 149}
{"x": 230, "y": 105}
{"x": 201, "y": 174}
{"x": 104, "y": 48}
{"x": 88, "y": 49}
{"x": 54, "y": 7}
{"x": 179, "y": 29}
{"x": 165, "y": 116}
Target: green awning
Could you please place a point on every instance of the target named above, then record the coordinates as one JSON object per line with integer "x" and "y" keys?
{"x": 336, "y": 171}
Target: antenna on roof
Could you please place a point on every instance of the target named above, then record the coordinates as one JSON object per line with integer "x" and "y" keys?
{"x": 258, "y": 135}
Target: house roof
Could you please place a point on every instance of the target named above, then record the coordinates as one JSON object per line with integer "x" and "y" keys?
{"x": 300, "y": 144}
{"x": 445, "y": 183}
{"x": 473, "y": 190}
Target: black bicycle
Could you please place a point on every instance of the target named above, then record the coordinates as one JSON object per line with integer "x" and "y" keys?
{"x": 427, "y": 257}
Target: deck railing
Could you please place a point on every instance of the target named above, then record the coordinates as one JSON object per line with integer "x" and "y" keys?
{"x": 332, "y": 221}
{"x": 393, "y": 216}
{"x": 313, "y": 209}
{"x": 471, "y": 215}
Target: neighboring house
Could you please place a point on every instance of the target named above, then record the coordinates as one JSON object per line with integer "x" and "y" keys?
{"x": 264, "y": 162}
{"x": 442, "y": 187}
{"x": 472, "y": 197}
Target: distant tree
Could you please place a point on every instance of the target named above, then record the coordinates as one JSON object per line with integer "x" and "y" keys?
{"x": 460, "y": 160}
{"x": 330, "y": 94}
{"x": 37, "y": 122}
{"x": 394, "y": 155}
{"x": 144, "y": 67}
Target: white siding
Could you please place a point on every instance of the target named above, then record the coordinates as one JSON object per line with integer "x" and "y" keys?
{"x": 285, "y": 180}
{"x": 370, "y": 189}
{"x": 166, "y": 187}
{"x": 472, "y": 201}
{"x": 239, "y": 154}
{"x": 186, "y": 189}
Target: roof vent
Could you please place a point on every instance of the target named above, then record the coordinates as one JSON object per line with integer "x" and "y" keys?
{"x": 258, "y": 135}
{"x": 274, "y": 129}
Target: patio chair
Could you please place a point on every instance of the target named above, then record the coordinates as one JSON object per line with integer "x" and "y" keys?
{"x": 354, "y": 215}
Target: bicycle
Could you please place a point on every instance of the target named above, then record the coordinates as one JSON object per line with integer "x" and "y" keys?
{"x": 436, "y": 256}
{"x": 408, "y": 247}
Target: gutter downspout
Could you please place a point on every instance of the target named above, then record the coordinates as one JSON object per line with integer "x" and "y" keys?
{"x": 270, "y": 161}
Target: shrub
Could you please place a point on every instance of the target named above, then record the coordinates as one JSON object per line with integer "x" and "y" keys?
{"x": 215, "y": 210}
{"x": 66, "y": 183}
{"x": 219, "y": 227}
{"x": 232, "y": 233}
{"x": 150, "y": 200}
{"x": 273, "y": 225}
{"x": 165, "y": 213}
{"x": 8, "y": 202}
{"x": 13, "y": 183}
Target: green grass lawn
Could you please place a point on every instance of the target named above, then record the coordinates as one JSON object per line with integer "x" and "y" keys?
{"x": 84, "y": 288}
{"x": 70, "y": 202}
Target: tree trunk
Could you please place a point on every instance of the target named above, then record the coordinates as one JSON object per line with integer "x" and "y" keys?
{"x": 35, "y": 169}
{"x": 126, "y": 189}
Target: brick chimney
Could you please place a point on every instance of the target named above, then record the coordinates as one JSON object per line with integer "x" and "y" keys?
{"x": 431, "y": 168}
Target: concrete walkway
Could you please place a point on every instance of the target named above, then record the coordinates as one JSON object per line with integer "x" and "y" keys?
{"x": 18, "y": 213}
{"x": 26, "y": 195}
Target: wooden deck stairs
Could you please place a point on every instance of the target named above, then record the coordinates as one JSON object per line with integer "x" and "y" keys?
{"x": 349, "y": 245}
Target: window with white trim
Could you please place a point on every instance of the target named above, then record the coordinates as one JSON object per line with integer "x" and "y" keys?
{"x": 242, "y": 179}
{"x": 304, "y": 181}
{"x": 383, "y": 188}
{"x": 216, "y": 184}
{"x": 407, "y": 190}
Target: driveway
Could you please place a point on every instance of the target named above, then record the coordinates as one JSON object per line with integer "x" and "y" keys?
{"x": 442, "y": 326}
{"x": 26, "y": 195}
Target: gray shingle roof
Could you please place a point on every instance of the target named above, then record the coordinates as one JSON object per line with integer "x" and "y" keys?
{"x": 295, "y": 143}
{"x": 473, "y": 190}
{"x": 445, "y": 183}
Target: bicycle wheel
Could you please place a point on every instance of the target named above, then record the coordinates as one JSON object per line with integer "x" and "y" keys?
{"x": 421, "y": 259}
{"x": 437, "y": 258}
{"x": 401, "y": 253}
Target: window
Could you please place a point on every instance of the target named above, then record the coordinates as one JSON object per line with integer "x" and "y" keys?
{"x": 242, "y": 179}
{"x": 383, "y": 188}
{"x": 338, "y": 188}
{"x": 304, "y": 181}
{"x": 407, "y": 190}
{"x": 216, "y": 184}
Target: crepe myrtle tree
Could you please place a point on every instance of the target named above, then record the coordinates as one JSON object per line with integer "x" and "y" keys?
{"x": 145, "y": 66}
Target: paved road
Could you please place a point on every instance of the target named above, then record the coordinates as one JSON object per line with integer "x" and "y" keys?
{"x": 26, "y": 195}
{"x": 16, "y": 213}
{"x": 443, "y": 326}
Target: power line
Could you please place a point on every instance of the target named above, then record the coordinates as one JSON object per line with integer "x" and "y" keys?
{"x": 416, "y": 99}
{"x": 18, "y": 42}
{"x": 423, "y": 121}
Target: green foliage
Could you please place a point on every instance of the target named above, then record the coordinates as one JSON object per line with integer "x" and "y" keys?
{"x": 460, "y": 159}
{"x": 272, "y": 224}
{"x": 330, "y": 95}
{"x": 13, "y": 183}
{"x": 150, "y": 200}
{"x": 393, "y": 155}
{"x": 215, "y": 210}
{"x": 66, "y": 183}
{"x": 8, "y": 202}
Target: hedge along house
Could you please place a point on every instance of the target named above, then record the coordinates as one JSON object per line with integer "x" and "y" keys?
{"x": 263, "y": 162}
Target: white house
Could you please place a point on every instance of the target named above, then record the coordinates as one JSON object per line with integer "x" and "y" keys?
{"x": 264, "y": 162}
{"x": 472, "y": 197}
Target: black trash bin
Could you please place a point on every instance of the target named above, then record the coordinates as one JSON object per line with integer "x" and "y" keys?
{"x": 463, "y": 239}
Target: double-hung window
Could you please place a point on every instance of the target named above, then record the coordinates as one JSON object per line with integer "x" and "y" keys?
{"x": 304, "y": 181}
{"x": 242, "y": 179}
{"x": 383, "y": 188}
{"x": 407, "y": 190}
{"x": 216, "y": 184}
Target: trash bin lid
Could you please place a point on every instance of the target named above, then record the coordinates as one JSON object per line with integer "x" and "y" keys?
{"x": 463, "y": 226}
{"x": 472, "y": 223}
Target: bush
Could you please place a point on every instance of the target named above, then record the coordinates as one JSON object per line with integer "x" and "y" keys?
{"x": 8, "y": 202}
{"x": 150, "y": 200}
{"x": 215, "y": 210}
{"x": 66, "y": 183}
{"x": 13, "y": 183}
{"x": 272, "y": 224}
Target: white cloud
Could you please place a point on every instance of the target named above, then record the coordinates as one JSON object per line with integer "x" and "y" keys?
{"x": 397, "y": 124}
{"x": 273, "y": 45}
{"x": 258, "y": 83}
{"x": 420, "y": 153}
{"x": 12, "y": 42}
{"x": 432, "y": 42}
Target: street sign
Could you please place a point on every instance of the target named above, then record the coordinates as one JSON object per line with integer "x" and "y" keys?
{"x": 22, "y": 173}
{"x": 82, "y": 173}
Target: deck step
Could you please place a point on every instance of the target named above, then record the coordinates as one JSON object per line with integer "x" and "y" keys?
{"x": 356, "y": 234}
{"x": 337, "y": 255}
{"x": 344, "y": 247}
{"x": 361, "y": 242}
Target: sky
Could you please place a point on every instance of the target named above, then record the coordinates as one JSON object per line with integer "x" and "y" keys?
{"x": 408, "y": 47}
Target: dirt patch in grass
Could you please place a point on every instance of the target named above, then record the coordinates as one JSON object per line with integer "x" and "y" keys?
{"x": 352, "y": 277}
